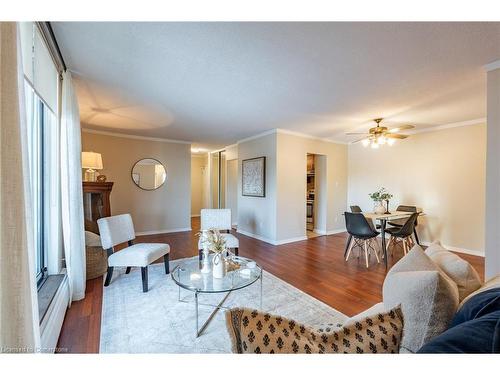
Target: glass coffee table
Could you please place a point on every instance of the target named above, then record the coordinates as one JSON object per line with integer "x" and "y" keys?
{"x": 188, "y": 276}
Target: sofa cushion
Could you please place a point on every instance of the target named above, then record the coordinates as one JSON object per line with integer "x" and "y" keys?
{"x": 252, "y": 331}
{"x": 428, "y": 298}
{"x": 480, "y": 335}
{"x": 478, "y": 306}
{"x": 458, "y": 269}
{"x": 491, "y": 283}
{"x": 474, "y": 329}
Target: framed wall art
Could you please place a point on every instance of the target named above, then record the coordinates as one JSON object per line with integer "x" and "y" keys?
{"x": 253, "y": 174}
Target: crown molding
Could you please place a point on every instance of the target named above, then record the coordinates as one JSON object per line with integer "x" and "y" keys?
{"x": 303, "y": 135}
{"x": 289, "y": 132}
{"x": 492, "y": 66}
{"x": 452, "y": 125}
{"x": 259, "y": 135}
{"x": 130, "y": 136}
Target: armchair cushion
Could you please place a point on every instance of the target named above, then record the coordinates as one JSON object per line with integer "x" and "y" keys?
{"x": 139, "y": 255}
{"x": 115, "y": 230}
{"x": 252, "y": 331}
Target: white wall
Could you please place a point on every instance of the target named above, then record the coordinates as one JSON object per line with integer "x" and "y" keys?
{"x": 442, "y": 172}
{"x": 165, "y": 209}
{"x": 492, "y": 217}
{"x": 257, "y": 216}
{"x": 280, "y": 217}
{"x": 292, "y": 153}
{"x": 198, "y": 187}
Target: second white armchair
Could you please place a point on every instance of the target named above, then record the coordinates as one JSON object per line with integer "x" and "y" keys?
{"x": 220, "y": 219}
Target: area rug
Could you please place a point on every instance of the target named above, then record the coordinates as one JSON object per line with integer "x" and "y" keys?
{"x": 156, "y": 322}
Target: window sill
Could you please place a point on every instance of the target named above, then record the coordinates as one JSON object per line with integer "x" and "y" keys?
{"x": 52, "y": 319}
{"x": 47, "y": 292}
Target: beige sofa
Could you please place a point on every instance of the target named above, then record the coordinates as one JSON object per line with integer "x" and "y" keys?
{"x": 421, "y": 294}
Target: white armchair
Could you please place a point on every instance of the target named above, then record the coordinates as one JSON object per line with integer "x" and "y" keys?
{"x": 118, "y": 229}
{"x": 218, "y": 218}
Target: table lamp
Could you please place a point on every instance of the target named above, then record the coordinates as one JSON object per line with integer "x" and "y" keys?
{"x": 91, "y": 161}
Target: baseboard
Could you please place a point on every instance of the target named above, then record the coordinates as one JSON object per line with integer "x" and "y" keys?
{"x": 477, "y": 253}
{"x": 162, "y": 231}
{"x": 335, "y": 231}
{"x": 195, "y": 215}
{"x": 256, "y": 236}
{"x": 51, "y": 325}
{"x": 290, "y": 240}
{"x": 272, "y": 242}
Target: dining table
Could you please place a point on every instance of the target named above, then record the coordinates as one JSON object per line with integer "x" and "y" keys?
{"x": 383, "y": 219}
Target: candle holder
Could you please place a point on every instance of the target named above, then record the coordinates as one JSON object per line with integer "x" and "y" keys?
{"x": 387, "y": 207}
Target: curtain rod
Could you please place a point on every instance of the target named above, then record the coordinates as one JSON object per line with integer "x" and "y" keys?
{"x": 51, "y": 41}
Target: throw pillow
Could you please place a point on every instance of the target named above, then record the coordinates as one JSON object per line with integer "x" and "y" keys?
{"x": 458, "y": 269}
{"x": 92, "y": 239}
{"x": 428, "y": 298}
{"x": 481, "y": 304}
{"x": 252, "y": 331}
{"x": 480, "y": 335}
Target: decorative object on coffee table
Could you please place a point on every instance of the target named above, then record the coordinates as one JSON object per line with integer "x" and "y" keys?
{"x": 215, "y": 242}
{"x": 254, "y": 177}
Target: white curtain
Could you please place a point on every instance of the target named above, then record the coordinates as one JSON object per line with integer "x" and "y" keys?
{"x": 71, "y": 191}
{"x": 19, "y": 327}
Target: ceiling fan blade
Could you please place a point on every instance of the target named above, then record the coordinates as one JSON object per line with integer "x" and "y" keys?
{"x": 402, "y": 127}
{"x": 364, "y": 133}
{"x": 396, "y": 136}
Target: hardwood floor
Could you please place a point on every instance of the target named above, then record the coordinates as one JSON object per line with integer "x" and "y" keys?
{"x": 316, "y": 266}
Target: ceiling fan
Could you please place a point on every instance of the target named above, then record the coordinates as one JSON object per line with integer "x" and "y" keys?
{"x": 381, "y": 135}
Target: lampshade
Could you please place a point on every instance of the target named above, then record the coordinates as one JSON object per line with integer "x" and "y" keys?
{"x": 91, "y": 160}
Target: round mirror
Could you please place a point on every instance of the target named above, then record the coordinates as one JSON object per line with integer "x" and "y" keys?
{"x": 149, "y": 174}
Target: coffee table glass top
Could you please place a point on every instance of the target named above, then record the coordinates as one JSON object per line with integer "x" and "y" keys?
{"x": 188, "y": 275}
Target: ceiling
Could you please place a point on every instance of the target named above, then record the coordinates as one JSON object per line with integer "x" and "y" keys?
{"x": 213, "y": 83}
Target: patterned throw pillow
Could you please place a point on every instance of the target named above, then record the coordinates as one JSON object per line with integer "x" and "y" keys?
{"x": 252, "y": 331}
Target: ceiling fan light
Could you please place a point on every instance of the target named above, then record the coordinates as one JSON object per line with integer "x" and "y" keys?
{"x": 381, "y": 140}
{"x": 391, "y": 141}
{"x": 375, "y": 145}
{"x": 365, "y": 142}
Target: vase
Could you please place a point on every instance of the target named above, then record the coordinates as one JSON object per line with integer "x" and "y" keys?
{"x": 218, "y": 266}
{"x": 205, "y": 267}
{"x": 379, "y": 208}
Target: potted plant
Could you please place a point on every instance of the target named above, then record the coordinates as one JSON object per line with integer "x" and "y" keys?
{"x": 212, "y": 240}
{"x": 378, "y": 197}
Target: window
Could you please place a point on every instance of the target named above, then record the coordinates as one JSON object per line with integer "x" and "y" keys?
{"x": 41, "y": 123}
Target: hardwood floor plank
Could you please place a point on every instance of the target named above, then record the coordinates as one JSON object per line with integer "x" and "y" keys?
{"x": 315, "y": 266}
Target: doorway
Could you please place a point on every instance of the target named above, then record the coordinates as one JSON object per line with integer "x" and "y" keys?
{"x": 316, "y": 197}
{"x": 218, "y": 179}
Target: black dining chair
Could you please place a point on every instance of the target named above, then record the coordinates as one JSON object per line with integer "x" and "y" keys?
{"x": 398, "y": 223}
{"x": 357, "y": 210}
{"x": 362, "y": 234}
{"x": 403, "y": 234}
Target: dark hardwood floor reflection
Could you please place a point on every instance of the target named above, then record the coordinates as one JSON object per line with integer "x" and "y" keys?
{"x": 316, "y": 266}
